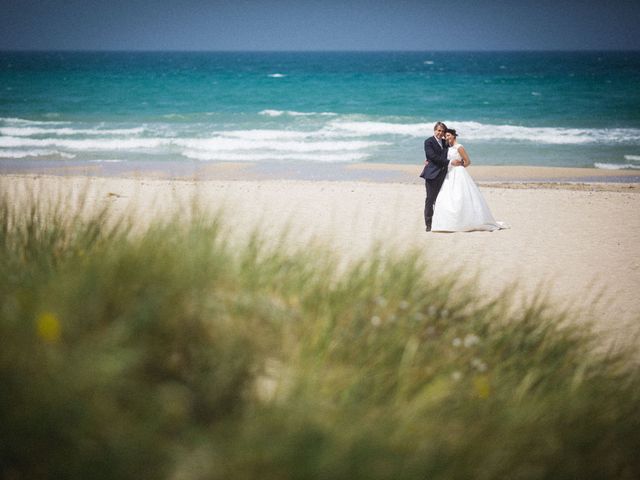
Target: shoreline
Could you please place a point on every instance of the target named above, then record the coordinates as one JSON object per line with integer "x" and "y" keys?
{"x": 512, "y": 176}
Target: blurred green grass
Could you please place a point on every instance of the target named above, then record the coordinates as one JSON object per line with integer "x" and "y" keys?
{"x": 178, "y": 351}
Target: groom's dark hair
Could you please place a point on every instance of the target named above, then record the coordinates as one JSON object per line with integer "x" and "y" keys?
{"x": 440, "y": 124}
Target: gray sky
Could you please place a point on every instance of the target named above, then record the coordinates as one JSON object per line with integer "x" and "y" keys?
{"x": 319, "y": 25}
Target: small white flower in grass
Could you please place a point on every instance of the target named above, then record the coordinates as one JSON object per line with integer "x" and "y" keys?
{"x": 430, "y": 330}
{"x": 403, "y": 305}
{"x": 456, "y": 342}
{"x": 479, "y": 365}
{"x": 471, "y": 340}
{"x": 444, "y": 313}
{"x": 381, "y": 301}
{"x": 267, "y": 384}
{"x": 457, "y": 376}
{"x": 266, "y": 388}
{"x": 376, "y": 321}
{"x": 431, "y": 311}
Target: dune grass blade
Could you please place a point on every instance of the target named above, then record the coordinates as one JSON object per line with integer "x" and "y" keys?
{"x": 180, "y": 351}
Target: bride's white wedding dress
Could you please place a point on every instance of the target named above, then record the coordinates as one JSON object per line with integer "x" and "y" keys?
{"x": 460, "y": 207}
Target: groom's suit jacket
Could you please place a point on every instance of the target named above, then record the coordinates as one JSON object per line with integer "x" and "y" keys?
{"x": 437, "y": 158}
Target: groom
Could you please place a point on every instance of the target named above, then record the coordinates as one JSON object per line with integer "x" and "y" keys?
{"x": 436, "y": 166}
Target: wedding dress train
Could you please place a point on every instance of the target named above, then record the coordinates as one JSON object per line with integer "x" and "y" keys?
{"x": 460, "y": 207}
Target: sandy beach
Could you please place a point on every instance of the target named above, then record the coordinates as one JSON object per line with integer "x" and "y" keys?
{"x": 576, "y": 241}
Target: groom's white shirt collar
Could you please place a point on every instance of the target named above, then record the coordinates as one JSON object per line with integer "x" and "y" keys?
{"x": 439, "y": 141}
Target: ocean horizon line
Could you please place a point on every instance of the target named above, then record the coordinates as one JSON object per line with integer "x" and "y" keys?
{"x": 177, "y": 50}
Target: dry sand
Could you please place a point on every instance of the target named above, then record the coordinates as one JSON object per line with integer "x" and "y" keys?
{"x": 580, "y": 244}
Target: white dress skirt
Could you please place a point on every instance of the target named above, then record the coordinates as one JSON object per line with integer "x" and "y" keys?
{"x": 460, "y": 207}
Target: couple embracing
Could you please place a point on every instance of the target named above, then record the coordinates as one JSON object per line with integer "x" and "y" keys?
{"x": 454, "y": 202}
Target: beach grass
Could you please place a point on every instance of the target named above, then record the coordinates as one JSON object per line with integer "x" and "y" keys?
{"x": 177, "y": 351}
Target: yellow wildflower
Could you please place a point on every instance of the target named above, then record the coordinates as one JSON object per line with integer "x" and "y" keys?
{"x": 48, "y": 327}
{"x": 482, "y": 387}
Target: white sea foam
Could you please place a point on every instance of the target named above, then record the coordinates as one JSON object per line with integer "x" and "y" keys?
{"x": 256, "y": 157}
{"x": 381, "y": 128}
{"x": 31, "y": 122}
{"x": 309, "y": 136}
{"x": 32, "y": 131}
{"x": 548, "y": 135}
{"x": 219, "y": 143}
{"x": 259, "y": 134}
{"x": 85, "y": 144}
{"x": 481, "y": 131}
{"x": 272, "y": 113}
{"x": 277, "y": 75}
{"x": 234, "y": 144}
{"x": 616, "y": 166}
{"x": 33, "y": 153}
{"x": 292, "y": 113}
{"x": 339, "y": 127}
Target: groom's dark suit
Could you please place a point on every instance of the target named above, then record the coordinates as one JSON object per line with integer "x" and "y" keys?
{"x": 433, "y": 174}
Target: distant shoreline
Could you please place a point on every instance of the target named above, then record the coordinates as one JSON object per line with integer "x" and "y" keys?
{"x": 495, "y": 176}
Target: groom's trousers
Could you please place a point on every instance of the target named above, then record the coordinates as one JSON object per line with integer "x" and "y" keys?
{"x": 433, "y": 188}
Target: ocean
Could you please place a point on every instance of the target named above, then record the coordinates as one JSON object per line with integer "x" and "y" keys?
{"x": 569, "y": 109}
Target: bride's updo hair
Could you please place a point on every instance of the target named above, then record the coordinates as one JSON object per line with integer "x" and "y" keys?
{"x": 453, "y": 132}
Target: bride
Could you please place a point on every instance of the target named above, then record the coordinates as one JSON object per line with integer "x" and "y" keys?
{"x": 460, "y": 207}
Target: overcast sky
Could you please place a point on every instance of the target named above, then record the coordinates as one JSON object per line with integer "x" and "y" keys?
{"x": 319, "y": 25}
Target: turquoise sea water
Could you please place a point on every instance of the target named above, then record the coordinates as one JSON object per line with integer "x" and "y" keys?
{"x": 560, "y": 109}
